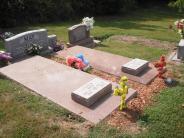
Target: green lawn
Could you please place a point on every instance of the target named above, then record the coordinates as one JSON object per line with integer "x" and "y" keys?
{"x": 24, "y": 115}
{"x": 1, "y": 46}
{"x": 131, "y": 50}
{"x": 149, "y": 23}
{"x": 164, "y": 119}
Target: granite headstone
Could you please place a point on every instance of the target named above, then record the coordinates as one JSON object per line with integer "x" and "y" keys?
{"x": 18, "y": 44}
{"x": 52, "y": 40}
{"x": 79, "y": 35}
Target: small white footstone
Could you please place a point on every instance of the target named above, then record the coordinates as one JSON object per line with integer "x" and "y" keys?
{"x": 135, "y": 66}
{"x": 92, "y": 91}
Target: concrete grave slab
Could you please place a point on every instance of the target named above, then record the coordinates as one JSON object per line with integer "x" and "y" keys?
{"x": 56, "y": 82}
{"x": 109, "y": 63}
{"x": 135, "y": 66}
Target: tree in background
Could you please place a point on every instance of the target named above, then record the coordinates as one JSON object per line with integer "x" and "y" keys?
{"x": 177, "y": 4}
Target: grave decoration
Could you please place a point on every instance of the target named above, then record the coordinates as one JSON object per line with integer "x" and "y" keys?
{"x": 5, "y": 58}
{"x": 170, "y": 82}
{"x": 122, "y": 91}
{"x": 179, "y": 27}
{"x": 34, "y": 49}
{"x": 88, "y": 22}
{"x": 78, "y": 62}
{"x": 161, "y": 67}
{"x": 6, "y": 35}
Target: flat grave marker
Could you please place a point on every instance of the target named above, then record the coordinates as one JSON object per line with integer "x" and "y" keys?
{"x": 90, "y": 92}
{"x": 135, "y": 66}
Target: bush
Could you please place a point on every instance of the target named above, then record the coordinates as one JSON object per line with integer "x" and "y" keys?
{"x": 177, "y": 4}
{"x": 16, "y": 12}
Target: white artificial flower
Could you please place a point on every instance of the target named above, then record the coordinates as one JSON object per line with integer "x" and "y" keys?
{"x": 182, "y": 20}
{"x": 176, "y": 22}
{"x": 88, "y": 22}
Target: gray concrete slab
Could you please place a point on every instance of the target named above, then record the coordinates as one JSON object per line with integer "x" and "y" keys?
{"x": 56, "y": 82}
{"x": 109, "y": 63}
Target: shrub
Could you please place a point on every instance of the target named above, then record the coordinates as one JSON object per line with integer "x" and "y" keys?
{"x": 16, "y": 12}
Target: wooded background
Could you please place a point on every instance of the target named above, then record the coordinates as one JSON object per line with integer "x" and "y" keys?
{"x": 18, "y": 12}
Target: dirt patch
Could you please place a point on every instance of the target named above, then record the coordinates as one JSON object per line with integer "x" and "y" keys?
{"x": 143, "y": 41}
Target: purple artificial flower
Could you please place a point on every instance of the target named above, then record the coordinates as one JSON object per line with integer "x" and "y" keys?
{"x": 5, "y": 56}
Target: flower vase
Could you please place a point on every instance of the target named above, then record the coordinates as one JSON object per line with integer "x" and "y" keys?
{"x": 180, "y": 49}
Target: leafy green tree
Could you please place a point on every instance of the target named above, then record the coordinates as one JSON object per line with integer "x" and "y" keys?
{"x": 177, "y": 4}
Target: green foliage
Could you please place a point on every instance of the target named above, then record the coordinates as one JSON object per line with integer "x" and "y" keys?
{"x": 15, "y": 12}
{"x": 1, "y": 45}
{"x": 177, "y": 4}
{"x": 26, "y": 115}
{"x": 165, "y": 117}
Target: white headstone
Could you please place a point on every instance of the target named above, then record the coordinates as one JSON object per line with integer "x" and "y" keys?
{"x": 135, "y": 66}
{"x": 89, "y": 93}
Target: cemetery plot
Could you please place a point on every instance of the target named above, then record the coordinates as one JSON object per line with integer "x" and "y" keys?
{"x": 56, "y": 82}
{"x": 110, "y": 63}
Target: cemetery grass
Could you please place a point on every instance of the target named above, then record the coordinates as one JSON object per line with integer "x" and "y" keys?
{"x": 1, "y": 45}
{"x": 23, "y": 114}
{"x": 132, "y": 50}
{"x": 164, "y": 119}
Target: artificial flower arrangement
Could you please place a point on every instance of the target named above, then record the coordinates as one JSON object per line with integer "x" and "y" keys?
{"x": 6, "y": 35}
{"x": 88, "y": 22}
{"x": 5, "y": 58}
{"x": 34, "y": 49}
{"x": 180, "y": 27}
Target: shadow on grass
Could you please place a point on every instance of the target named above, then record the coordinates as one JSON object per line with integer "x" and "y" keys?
{"x": 132, "y": 19}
